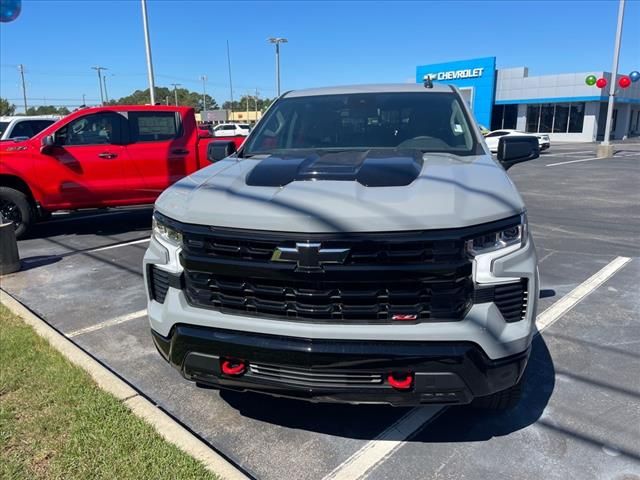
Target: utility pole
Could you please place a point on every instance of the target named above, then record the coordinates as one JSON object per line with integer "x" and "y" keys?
{"x": 99, "y": 70}
{"x": 84, "y": 101}
{"x": 24, "y": 87}
{"x": 175, "y": 91}
{"x": 256, "y": 101}
{"x": 147, "y": 44}
{"x": 277, "y": 41}
{"x": 204, "y": 93}
{"x": 248, "y": 97}
{"x": 607, "y": 149}
{"x": 106, "y": 96}
{"x": 230, "y": 82}
{"x": 166, "y": 99}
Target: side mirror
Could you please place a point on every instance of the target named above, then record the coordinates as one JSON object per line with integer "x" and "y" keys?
{"x": 219, "y": 149}
{"x": 47, "y": 144}
{"x": 205, "y": 134}
{"x": 514, "y": 149}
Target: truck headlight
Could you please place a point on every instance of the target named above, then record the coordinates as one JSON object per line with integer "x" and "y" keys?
{"x": 491, "y": 242}
{"x": 165, "y": 233}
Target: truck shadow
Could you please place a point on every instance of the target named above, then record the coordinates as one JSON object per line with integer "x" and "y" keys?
{"x": 102, "y": 223}
{"x": 453, "y": 424}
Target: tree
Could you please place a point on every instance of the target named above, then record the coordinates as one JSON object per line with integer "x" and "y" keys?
{"x": 48, "y": 110}
{"x": 6, "y": 108}
{"x": 241, "y": 105}
{"x": 186, "y": 98}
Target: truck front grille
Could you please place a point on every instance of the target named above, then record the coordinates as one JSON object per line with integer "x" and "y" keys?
{"x": 413, "y": 276}
{"x": 399, "y": 249}
{"x": 369, "y": 300}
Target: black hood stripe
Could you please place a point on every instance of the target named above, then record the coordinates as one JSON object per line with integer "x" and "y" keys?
{"x": 369, "y": 168}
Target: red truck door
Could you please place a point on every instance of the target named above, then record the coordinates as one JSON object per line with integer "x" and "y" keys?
{"x": 163, "y": 145}
{"x": 89, "y": 165}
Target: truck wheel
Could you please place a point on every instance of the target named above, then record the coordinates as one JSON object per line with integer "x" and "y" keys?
{"x": 502, "y": 400}
{"x": 15, "y": 207}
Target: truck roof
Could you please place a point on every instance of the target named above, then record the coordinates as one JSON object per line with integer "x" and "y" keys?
{"x": 162, "y": 108}
{"x": 9, "y": 118}
{"x": 376, "y": 88}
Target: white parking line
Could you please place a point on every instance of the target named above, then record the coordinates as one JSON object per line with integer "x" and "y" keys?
{"x": 362, "y": 462}
{"x": 570, "y": 300}
{"x": 123, "y": 244}
{"x": 107, "y": 323}
{"x": 580, "y": 152}
{"x": 358, "y": 464}
{"x": 575, "y": 161}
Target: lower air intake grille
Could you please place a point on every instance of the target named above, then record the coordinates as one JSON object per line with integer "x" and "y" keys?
{"x": 510, "y": 298}
{"x": 158, "y": 284}
{"x": 313, "y": 378}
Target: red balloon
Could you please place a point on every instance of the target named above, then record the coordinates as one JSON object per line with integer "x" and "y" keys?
{"x": 624, "y": 82}
{"x": 601, "y": 83}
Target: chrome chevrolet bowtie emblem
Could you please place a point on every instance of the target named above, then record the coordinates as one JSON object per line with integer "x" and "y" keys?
{"x": 309, "y": 256}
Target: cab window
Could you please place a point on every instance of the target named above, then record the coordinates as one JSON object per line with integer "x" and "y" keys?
{"x": 22, "y": 129}
{"x": 97, "y": 129}
{"x": 154, "y": 126}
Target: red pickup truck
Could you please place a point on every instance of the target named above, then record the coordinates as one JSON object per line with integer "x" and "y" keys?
{"x": 100, "y": 157}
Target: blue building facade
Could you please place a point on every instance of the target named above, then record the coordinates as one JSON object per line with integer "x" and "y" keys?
{"x": 475, "y": 78}
{"x": 562, "y": 105}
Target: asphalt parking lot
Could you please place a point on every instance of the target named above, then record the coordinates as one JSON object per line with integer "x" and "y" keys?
{"x": 580, "y": 415}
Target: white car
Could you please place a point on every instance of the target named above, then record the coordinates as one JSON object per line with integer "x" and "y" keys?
{"x": 492, "y": 138}
{"x": 231, "y": 130}
{"x": 23, "y": 127}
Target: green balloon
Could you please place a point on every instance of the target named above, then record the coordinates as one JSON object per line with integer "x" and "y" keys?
{"x": 591, "y": 80}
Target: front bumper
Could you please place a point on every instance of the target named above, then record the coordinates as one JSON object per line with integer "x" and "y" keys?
{"x": 328, "y": 370}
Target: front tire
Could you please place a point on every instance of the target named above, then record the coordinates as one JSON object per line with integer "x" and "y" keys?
{"x": 15, "y": 207}
{"x": 502, "y": 400}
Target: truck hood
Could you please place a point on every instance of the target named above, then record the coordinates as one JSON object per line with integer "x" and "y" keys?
{"x": 333, "y": 194}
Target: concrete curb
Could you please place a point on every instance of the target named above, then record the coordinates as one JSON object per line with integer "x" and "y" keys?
{"x": 166, "y": 426}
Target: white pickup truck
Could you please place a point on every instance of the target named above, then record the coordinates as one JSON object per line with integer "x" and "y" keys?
{"x": 22, "y": 127}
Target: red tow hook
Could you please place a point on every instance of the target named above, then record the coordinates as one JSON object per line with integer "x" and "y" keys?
{"x": 233, "y": 368}
{"x": 400, "y": 381}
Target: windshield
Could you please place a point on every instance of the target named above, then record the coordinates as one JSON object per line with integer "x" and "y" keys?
{"x": 430, "y": 122}
{"x": 3, "y": 127}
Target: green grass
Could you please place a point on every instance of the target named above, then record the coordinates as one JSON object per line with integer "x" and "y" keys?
{"x": 55, "y": 423}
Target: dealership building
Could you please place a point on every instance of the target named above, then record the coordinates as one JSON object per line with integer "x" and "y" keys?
{"x": 562, "y": 105}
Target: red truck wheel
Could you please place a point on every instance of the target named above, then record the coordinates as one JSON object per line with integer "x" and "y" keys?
{"x": 15, "y": 207}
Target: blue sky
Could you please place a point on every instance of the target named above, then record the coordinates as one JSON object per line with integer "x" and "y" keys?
{"x": 329, "y": 42}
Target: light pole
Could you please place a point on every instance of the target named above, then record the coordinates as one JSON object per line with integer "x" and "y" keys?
{"x": 147, "y": 44}
{"x": 204, "y": 93}
{"x": 607, "y": 149}
{"x": 99, "y": 70}
{"x": 277, "y": 41}
{"x": 230, "y": 82}
{"x": 175, "y": 91}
